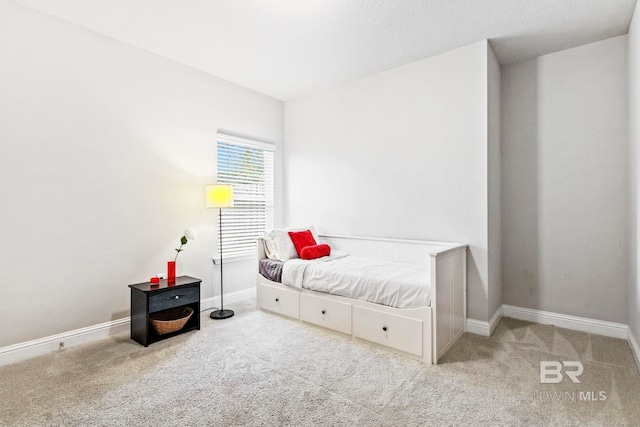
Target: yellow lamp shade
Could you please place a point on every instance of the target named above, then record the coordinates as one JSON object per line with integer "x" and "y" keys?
{"x": 219, "y": 196}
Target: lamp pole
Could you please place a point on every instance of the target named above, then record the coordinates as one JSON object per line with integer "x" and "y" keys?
{"x": 221, "y": 199}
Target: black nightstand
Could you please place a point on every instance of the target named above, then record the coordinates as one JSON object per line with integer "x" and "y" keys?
{"x": 147, "y": 298}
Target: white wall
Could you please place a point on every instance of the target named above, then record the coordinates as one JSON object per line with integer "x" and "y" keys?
{"x": 634, "y": 138}
{"x": 398, "y": 154}
{"x": 494, "y": 183}
{"x": 105, "y": 152}
{"x": 564, "y": 182}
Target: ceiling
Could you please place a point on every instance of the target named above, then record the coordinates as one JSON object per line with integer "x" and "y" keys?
{"x": 290, "y": 48}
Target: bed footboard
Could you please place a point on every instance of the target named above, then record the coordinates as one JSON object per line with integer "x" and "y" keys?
{"x": 448, "y": 298}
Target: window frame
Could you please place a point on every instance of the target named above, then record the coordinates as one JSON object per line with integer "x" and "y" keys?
{"x": 269, "y": 196}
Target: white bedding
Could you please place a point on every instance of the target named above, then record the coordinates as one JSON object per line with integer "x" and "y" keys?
{"x": 381, "y": 282}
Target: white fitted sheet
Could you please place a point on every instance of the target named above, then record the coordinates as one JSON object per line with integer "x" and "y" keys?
{"x": 397, "y": 285}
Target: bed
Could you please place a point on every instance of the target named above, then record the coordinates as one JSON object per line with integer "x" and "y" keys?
{"x": 421, "y": 322}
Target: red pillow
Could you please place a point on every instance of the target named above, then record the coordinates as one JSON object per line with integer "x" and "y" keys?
{"x": 315, "y": 251}
{"x": 301, "y": 239}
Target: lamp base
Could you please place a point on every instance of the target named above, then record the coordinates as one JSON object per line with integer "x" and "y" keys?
{"x": 221, "y": 314}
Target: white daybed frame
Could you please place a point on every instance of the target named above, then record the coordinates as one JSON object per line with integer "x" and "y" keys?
{"x": 424, "y": 333}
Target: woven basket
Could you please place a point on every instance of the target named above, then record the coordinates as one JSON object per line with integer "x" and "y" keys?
{"x": 167, "y": 321}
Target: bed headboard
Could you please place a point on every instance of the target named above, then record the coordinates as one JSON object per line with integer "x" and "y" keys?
{"x": 417, "y": 252}
{"x": 395, "y": 250}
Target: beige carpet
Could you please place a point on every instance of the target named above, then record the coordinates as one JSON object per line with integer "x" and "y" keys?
{"x": 261, "y": 369}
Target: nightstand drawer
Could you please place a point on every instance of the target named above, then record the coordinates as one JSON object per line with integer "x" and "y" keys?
{"x": 174, "y": 298}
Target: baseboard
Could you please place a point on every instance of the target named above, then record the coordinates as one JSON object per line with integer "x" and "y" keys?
{"x": 38, "y": 347}
{"x": 27, "y": 350}
{"x": 478, "y": 327}
{"x": 214, "y": 302}
{"x": 635, "y": 349}
{"x": 583, "y": 324}
{"x": 495, "y": 319}
{"x": 483, "y": 328}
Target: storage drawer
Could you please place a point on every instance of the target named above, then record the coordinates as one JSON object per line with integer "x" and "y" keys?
{"x": 324, "y": 312}
{"x": 398, "y": 332}
{"x": 279, "y": 300}
{"x": 174, "y": 298}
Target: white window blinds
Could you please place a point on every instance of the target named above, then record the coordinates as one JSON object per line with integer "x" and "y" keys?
{"x": 247, "y": 166}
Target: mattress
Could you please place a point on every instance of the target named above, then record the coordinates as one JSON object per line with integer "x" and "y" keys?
{"x": 397, "y": 285}
{"x": 271, "y": 269}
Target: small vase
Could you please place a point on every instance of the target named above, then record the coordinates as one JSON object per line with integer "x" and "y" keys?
{"x": 171, "y": 272}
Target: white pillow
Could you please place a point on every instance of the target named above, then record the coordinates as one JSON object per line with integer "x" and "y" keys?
{"x": 278, "y": 242}
{"x": 270, "y": 248}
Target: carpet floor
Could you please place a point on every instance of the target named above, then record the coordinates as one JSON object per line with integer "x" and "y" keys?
{"x": 259, "y": 369}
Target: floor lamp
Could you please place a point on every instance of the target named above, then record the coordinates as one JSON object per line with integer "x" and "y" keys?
{"x": 220, "y": 196}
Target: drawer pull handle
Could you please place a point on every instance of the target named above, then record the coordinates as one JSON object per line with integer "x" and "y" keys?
{"x": 277, "y": 299}
{"x": 384, "y": 328}
{"x": 176, "y": 297}
{"x": 323, "y": 312}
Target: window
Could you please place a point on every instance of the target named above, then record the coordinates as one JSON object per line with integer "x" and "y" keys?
{"x": 248, "y": 166}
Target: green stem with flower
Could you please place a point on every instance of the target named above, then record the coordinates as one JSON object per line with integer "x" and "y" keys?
{"x": 188, "y": 235}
